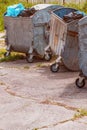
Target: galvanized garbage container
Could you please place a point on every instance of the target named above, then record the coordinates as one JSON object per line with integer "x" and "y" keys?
{"x": 63, "y": 40}
{"x": 29, "y": 34}
{"x": 80, "y": 82}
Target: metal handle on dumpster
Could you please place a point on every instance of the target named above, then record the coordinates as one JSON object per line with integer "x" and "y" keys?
{"x": 64, "y": 34}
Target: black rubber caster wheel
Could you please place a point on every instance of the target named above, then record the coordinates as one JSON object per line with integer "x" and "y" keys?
{"x": 6, "y": 54}
{"x": 48, "y": 57}
{"x": 54, "y": 67}
{"x": 80, "y": 84}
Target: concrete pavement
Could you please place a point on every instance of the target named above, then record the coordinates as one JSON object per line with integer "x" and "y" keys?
{"x": 33, "y": 98}
{"x": 36, "y": 98}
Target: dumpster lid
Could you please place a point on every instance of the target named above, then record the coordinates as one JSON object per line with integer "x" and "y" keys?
{"x": 43, "y": 16}
{"x": 41, "y": 6}
{"x": 46, "y": 6}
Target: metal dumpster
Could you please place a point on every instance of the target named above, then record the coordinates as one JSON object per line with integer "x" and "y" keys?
{"x": 29, "y": 34}
{"x": 63, "y": 40}
{"x": 80, "y": 81}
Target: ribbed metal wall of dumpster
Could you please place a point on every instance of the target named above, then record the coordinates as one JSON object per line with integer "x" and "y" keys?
{"x": 64, "y": 38}
{"x": 19, "y": 33}
{"x": 83, "y": 45}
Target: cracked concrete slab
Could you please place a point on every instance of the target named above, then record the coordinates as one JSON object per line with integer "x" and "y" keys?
{"x": 20, "y": 114}
{"x": 37, "y": 98}
{"x": 71, "y": 125}
{"x": 58, "y": 87}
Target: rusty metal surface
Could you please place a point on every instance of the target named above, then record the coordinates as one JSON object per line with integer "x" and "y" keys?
{"x": 57, "y": 35}
{"x": 22, "y": 31}
{"x": 83, "y": 45}
{"x": 70, "y": 54}
{"x": 19, "y": 33}
{"x": 64, "y": 39}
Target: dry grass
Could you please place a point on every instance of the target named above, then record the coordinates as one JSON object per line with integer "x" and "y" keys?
{"x": 80, "y": 113}
{"x": 14, "y": 56}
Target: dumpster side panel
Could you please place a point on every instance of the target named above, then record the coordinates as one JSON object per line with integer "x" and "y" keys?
{"x": 39, "y": 39}
{"x": 40, "y": 21}
{"x": 83, "y": 62}
{"x": 6, "y": 21}
{"x": 64, "y": 38}
{"x": 83, "y": 45}
{"x": 57, "y": 35}
{"x": 20, "y": 33}
{"x": 70, "y": 54}
{"x": 83, "y": 34}
{"x": 10, "y": 31}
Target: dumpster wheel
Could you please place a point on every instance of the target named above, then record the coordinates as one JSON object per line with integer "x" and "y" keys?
{"x": 29, "y": 58}
{"x": 54, "y": 67}
{"x": 6, "y": 54}
{"x": 48, "y": 57}
{"x": 80, "y": 84}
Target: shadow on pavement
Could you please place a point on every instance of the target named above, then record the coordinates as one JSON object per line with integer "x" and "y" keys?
{"x": 63, "y": 73}
{"x": 71, "y": 91}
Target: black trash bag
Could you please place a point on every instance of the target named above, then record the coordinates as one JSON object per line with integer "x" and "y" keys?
{"x": 72, "y": 16}
{"x": 27, "y": 12}
{"x": 77, "y": 16}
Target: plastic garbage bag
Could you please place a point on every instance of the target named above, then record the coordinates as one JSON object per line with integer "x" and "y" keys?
{"x": 14, "y": 10}
{"x": 27, "y": 12}
{"x": 80, "y": 12}
{"x": 73, "y": 15}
